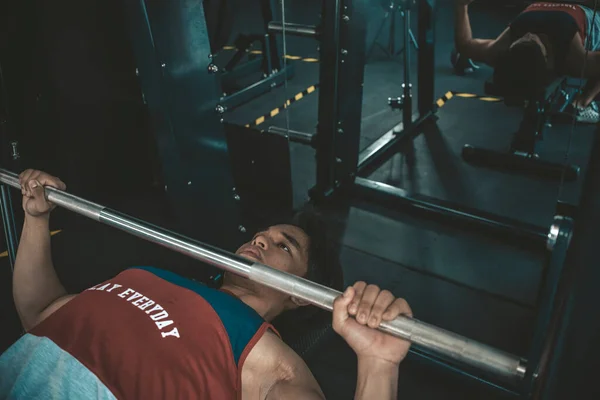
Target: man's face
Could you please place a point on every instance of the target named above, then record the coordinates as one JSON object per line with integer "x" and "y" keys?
{"x": 284, "y": 247}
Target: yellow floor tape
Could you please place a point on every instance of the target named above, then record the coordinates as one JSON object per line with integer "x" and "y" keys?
{"x": 276, "y": 111}
{"x": 489, "y": 99}
{"x": 5, "y": 254}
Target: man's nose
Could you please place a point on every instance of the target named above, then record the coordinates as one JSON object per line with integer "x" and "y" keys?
{"x": 262, "y": 242}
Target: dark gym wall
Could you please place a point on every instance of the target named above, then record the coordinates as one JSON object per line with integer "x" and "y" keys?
{"x": 76, "y": 104}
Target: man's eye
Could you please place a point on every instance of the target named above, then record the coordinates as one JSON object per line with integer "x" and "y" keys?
{"x": 284, "y": 247}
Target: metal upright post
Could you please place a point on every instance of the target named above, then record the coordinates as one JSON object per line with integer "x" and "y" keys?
{"x": 342, "y": 62}
{"x": 548, "y": 314}
{"x": 407, "y": 95}
{"x": 570, "y": 354}
{"x": 273, "y": 51}
{"x": 327, "y": 128}
{"x": 8, "y": 222}
{"x": 426, "y": 57}
{"x": 6, "y": 149}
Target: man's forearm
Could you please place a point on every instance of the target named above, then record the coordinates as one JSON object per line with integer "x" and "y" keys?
{"x": 462, "y": 27}
{"x": 376, "y": 380}
{"x": 35, "y": 282}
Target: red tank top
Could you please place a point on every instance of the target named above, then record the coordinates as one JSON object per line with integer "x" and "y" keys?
{"x": 573, "y": 10}
{"x": 150, "y": 334}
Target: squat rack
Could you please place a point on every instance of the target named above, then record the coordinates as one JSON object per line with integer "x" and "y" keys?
{"x": 341, "y": 167}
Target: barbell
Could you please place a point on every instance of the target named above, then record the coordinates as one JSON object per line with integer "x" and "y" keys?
{"x": 435, "y": 341}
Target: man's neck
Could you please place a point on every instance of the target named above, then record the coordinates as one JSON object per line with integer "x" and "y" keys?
{"x": 265, "y": 308}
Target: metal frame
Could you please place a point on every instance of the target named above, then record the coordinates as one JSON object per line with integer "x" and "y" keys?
{"x": 275, "y": 72}
{"x": 559, "y": 240}
{"x": 301, "y": 30}
{"x": 242, "y": 96}
{"x": 569, "y": 355}
{"x": 339, "y": 164}
{"x": 294, "y": 136}
{"x": 507, "y": 229}
{"x": 8, "y": 156}
{"x": 178, "y": 84}
{"x": 342, "y": 60}
{"x": 372, "y": 157}
{"x": 10, "y": 229}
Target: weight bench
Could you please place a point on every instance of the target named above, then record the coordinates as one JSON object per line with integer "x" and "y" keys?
{"x": 522, "y": 156}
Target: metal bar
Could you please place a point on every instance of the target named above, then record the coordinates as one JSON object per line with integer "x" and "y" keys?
{"x": 329, "y": 128}
{"x": 268, "y": 10}
{"x": 246, "y": 94}
{"x": 437, "y": 341}
{"x": 268, "y": 62}
{"x": 9, "y": 156}
{"x": 520, "y": 163}
{"x": 520, "y": 232}
{"x": 8, "y": 221}
{"x": 374, "y": 155}
{"x": 426, "y": 56}
{"x": 407, "y": 86}
{"x": 230, "y": 78}
{"x": 424, "y": 358}
{"x": 294, "y": 136}
{"x": 294, "y": 29}
{"x": 558, "y": 243}
{"x": 570, "y": 352}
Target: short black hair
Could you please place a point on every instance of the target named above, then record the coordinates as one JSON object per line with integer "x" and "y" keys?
{"x": 522, "y": 70}
{"x": 323, "y": 258}
{"x": 323, "y": 262}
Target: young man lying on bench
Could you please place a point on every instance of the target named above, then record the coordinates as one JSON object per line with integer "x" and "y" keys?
{"x": 547, "y": 39}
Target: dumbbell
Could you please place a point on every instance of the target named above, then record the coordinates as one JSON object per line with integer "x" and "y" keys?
{"x": 461, "y": 64}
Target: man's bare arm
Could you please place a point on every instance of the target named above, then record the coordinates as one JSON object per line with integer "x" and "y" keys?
{"x": 37, "y": 290}
{"x": 285, "y": 390}
{"x": 581, "y": 63}
{"x": 479, "y": 50}
{"x": 35, "y": 283}
{"x": 376, "y": 380}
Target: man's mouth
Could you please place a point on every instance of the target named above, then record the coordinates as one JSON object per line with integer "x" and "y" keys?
{"x": 252, "y": 252}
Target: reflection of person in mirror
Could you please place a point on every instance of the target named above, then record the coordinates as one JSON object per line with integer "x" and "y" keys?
{"x": 545, "y": 40}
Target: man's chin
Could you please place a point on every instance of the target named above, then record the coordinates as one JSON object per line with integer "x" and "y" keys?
{"x": 249, "y": 257}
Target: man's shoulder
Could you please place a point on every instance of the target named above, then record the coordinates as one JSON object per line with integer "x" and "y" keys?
{"x": 272, "y": 354}
{"x": 271, "y": 344}
{"x": 271, "y": 364}
{"x": 276, "y": 369}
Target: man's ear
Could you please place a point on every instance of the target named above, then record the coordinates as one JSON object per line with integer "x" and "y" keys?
{"x": 299, "y": 302}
